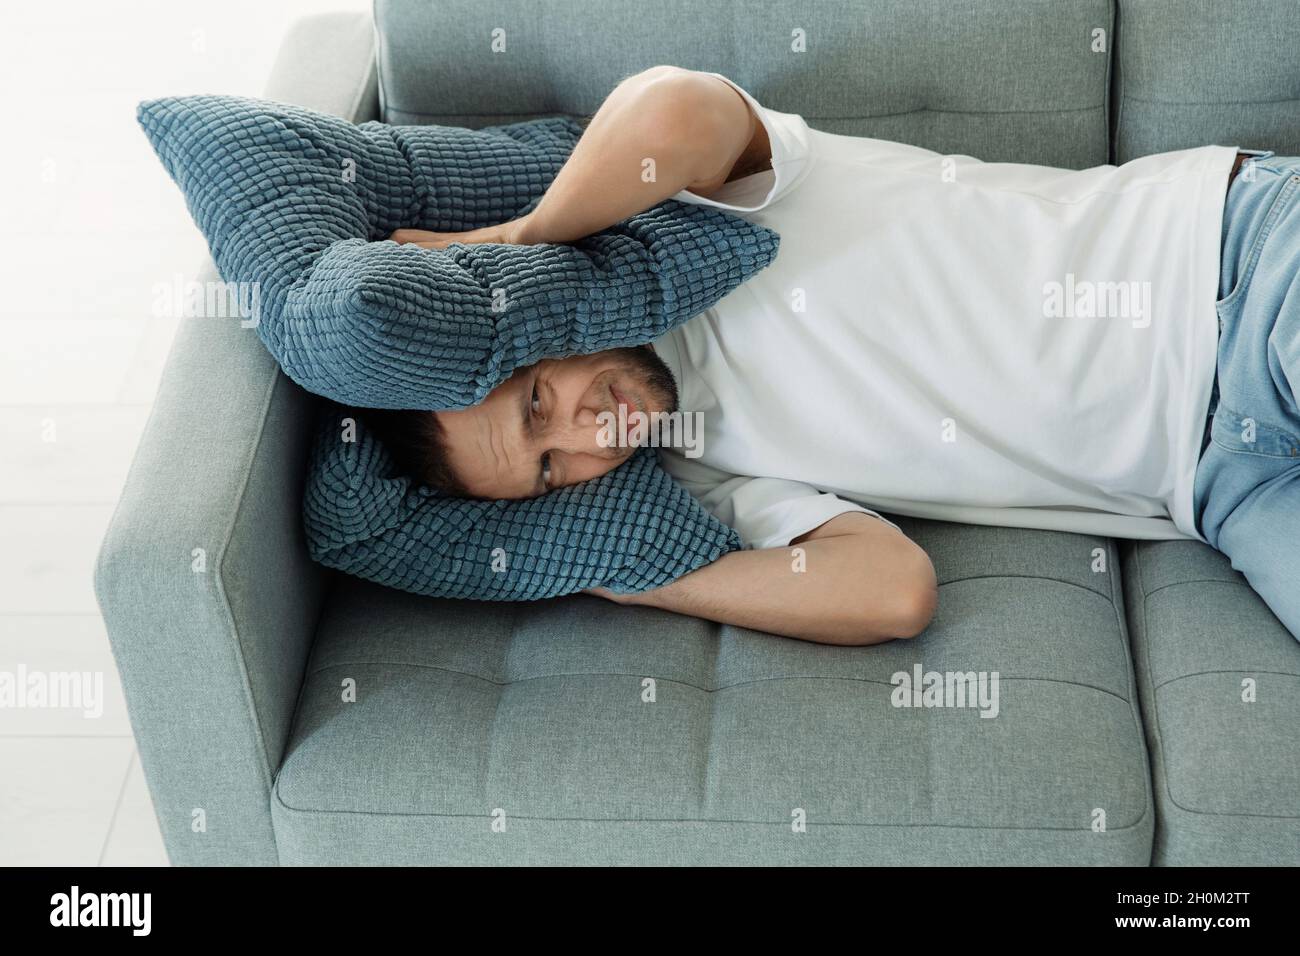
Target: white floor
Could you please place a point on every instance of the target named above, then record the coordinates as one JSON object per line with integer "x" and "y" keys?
{"x": 89, "y": 224}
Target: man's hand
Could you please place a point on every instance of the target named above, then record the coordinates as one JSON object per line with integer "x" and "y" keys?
{"x": 609, "y": 595}
{"x": 507, "y": 233}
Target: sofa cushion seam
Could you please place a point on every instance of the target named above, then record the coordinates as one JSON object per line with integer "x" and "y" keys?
{"x": 1028, "y": 577}
{"x": 856, "y": 118}
{"x": 623, "y": 820}
{"x": 681, "y": 683}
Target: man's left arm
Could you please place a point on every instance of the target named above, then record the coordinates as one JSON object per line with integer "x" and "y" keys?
{"x": 693, "y": 126}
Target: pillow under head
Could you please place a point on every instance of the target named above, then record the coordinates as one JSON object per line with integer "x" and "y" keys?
{"x": 629, "y": 530}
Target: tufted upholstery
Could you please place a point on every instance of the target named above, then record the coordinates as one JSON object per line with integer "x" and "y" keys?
{"x": 1191, "y": 72}
{"x": 1220, "y": 684}
{"x": 538, "y": 711}
{"x": 1002, "y": 80}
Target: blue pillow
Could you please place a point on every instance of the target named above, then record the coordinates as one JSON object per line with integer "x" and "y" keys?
{"x": 629, "y": 530}
{"x": 295, "y": 201}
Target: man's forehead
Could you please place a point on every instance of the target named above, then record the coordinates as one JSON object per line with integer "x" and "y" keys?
{"x": 486, "y": 445}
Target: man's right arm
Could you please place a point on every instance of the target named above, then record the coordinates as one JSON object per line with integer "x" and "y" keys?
{"x": 859, "y": 581}
{"x": 660, "y": 131}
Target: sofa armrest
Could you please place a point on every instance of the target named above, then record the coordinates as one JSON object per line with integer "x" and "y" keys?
{"x": 208, "y": 595}
{"x": 327, "y": 63}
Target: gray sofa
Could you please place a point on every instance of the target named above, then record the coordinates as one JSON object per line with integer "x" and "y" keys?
{"x": 488, "y": 733}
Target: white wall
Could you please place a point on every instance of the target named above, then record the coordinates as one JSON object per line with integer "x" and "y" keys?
{"x": 89, "y": 223}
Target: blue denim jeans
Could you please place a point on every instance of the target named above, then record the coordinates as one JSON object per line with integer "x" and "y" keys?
{"x": 1246, "y": 496}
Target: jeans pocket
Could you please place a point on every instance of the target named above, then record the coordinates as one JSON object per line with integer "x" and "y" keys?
{"x": 1245, "y": 435}
{"x": 1277, "y": 206}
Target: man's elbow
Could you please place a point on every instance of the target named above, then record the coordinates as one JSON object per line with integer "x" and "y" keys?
{"x": 676, "y": 110}
{"x": 912, "y": 605}
{"x": 917, "y": 610}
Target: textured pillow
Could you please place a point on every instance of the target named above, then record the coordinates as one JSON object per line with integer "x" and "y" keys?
{"x": 629, "y": 530}
{"x": 293, "y": 200}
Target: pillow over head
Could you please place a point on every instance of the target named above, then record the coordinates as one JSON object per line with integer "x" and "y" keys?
{"x": 297, "y": 202}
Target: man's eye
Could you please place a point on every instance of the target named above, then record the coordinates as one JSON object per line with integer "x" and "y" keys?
{"x": 546, "y": 468}
{"x": 537, "y": 402}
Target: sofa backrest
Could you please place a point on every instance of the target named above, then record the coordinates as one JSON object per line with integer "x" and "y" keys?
{"x": 1002, "y": 80}
{"x": 1191, "y": 72}
{"x": 1070, "y": 83}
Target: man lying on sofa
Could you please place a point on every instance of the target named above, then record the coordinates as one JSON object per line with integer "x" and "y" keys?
{"x": 937, "y": 336}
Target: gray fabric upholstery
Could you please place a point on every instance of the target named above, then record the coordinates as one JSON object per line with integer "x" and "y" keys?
{"x": 1192, "y": 72}
{"x": 1001, "y": 80}
{"x": 464, "y": 709}
{"x": 211, "y": 654}
{"x": 212, "y": 660}
{"x": 1226, "y": 771}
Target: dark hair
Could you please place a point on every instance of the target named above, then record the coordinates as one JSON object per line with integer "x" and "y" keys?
{"x": 418, "y": 445}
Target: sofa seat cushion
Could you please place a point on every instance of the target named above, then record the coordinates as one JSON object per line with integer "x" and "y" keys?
{"x": 597, "y": 733}
{"x": 1219, "y": 677}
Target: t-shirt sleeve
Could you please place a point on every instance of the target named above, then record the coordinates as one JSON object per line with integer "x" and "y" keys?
{"x": 787, "y": 134}
{"x": 766, "y": 512}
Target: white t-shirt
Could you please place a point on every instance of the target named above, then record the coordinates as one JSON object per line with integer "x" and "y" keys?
{"x": 993, "y": 343}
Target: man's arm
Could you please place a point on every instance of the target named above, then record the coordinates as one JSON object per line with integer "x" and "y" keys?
{"x": 659, "y": 132}
{"x": 863, "y": 582}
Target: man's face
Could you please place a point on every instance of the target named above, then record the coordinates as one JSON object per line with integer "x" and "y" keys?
{"x": 539, "y": 429}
